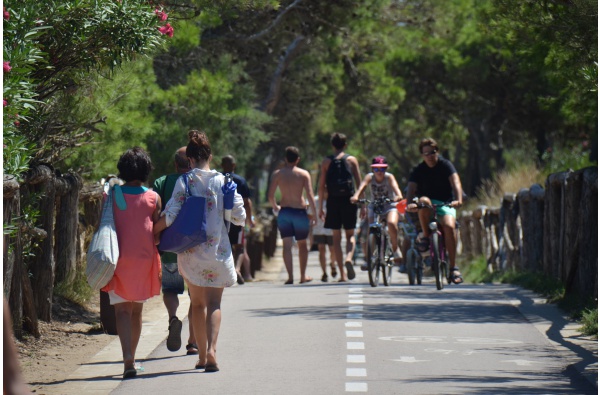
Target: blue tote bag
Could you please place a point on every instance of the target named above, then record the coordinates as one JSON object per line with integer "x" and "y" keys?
{"x": 189, "y": 228}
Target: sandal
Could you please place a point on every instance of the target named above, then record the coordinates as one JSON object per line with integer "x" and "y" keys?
{"x": 192, "y": 349}
{"x": 423, "y": 244}
{"x": 333, "y": 270}
{"x": 456, "y": 278}
{"x": 174, "y": 338}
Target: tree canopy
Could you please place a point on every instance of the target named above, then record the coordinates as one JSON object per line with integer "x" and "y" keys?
{"x": 493, "y": 81}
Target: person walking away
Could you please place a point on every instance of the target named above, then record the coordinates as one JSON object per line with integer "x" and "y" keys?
{"x": 172, "y": 282}
{"x": 237, "y": 234}
{"x": 382, "y": 185}
{"x": 323, "y": 238}
{"x": 292, "y": 218}
{"x": 208, "y": 267}
{"x": 138, "y": 272}
{"x": 339, "y": 175}
{"x": 436, "y": 181}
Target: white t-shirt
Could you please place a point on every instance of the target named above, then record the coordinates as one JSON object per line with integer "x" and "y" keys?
{"x": 319, "y": 228}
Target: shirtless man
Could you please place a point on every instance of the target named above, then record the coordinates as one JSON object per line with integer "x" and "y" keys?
{"x": 292, "y": 218}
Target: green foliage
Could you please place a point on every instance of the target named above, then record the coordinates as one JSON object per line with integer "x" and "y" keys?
{"x": 589, "y": 321}
{"x": 563, "y": 158}
{"x": 52, "y": 47}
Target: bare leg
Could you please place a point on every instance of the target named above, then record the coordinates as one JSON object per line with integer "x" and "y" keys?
{"x": 136, "y": 326}
{"x": 449, "y": 228}
{"x": 171, "y": 301}
{"x": 337, "y": 251}
{"x": 287, "y": 257}
{"x": 206, "y": 304}
{"x": 322, "y": 258}
{"x": 246, "y": 266}
{"x": 124, "y": 314}
{"x": 13, "y": 382}
{"x": 303, "y": 258}
{"x": 350, "y": 245}
{"x": 425, "y": 215}
{"x": 191, "y": 338}
{"x": 392, "y": 224}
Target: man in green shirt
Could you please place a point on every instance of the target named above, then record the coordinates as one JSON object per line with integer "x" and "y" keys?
{"x": 172, "y": 282}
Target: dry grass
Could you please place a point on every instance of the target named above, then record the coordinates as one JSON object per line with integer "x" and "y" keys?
{"x": 492, "y": 191}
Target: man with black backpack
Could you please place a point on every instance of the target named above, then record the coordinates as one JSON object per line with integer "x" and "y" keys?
{"x": 339, "y": 176}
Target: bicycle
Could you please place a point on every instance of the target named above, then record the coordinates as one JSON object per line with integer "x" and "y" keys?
{"x": 380, "y": 257}
{"x": 413, "y": 259}
{"x": 437, "y": 248}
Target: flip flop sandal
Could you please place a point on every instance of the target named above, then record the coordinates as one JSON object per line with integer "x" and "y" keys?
{"x": 333, "y": 271}
{"x": 174, "y": 338}
{"x": 350, "y": 269}
{"x": 192, "y": 349}
{"x": 129, "y": 373}
{"x": 455, "y": 277}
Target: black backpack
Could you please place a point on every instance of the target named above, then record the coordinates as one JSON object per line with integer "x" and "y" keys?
{"x": 339, "y": 178}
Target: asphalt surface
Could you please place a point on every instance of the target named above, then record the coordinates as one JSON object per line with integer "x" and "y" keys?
{"x": 334, "y": 338}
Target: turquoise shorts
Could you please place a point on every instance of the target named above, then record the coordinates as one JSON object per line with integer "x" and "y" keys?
{"x": 443, "y": 210}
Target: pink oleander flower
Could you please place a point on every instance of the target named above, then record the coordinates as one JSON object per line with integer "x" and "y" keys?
{"x": 7, "y": 67}
{"x": 166, "y": 29}
{"x": 17, "y": 123}
{"x": 6, "y": 14}
{"x": 5, "y": 103}
{"x": 162, "y": 16}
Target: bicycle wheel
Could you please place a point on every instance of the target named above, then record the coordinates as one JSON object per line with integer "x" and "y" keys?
{"x": 387, "y": 264}
{"x": 436, "y": 262}
{"x": 373, "y": 259}
{"x": 412, "y": 266}
{"x": 420, "y": 269}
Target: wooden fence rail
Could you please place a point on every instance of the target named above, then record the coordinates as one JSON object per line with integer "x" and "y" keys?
{"x": 552, "y": 231}
{"x": 69, "y": 213}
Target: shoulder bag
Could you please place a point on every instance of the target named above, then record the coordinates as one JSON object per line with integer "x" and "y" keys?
{"x": 103, "y": 252}
{"x": 189, "y": 228}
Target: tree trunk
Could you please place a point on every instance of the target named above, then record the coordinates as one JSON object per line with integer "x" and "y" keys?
{"x": 67, "y": 224}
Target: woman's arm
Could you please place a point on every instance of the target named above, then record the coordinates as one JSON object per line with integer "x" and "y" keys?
{"x": 395, "y": 188}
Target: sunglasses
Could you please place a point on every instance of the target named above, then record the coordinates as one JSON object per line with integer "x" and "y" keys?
{"x": 379, "y": 169}
{"x": 430, "y": 153}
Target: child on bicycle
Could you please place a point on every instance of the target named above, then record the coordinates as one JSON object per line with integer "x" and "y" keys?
{"x": 383, "y": 184}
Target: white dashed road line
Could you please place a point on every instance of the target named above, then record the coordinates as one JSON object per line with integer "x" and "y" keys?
{"x": 355, "y": 302}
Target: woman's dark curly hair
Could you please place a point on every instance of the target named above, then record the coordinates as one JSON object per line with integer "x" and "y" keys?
{"x": 134, "y": 164}
{"x": 199, "y": 146}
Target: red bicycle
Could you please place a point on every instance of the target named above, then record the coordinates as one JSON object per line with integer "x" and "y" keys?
{"x": 437, "y": 248}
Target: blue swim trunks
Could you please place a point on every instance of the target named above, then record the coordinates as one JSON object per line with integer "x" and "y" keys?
{"x": 293, "y": 222}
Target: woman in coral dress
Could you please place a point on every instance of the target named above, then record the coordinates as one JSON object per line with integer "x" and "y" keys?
{"x": 137, "y": 276}
{"x": 207, "y": 268}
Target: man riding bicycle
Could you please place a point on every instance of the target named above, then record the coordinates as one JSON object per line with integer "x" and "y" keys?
{"x": 435, "y": 181}
{"x": 383, "y": 185}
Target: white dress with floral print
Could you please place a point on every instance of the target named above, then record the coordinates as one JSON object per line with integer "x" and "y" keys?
{"x": 209, "y": 264}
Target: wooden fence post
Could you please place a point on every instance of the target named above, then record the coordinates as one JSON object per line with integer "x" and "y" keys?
{"x": 491, "y": 221}
{"x": 587, "y": 279}
{"x": 531, "y": 211}
{"x": 67, "y": 221}
{"x": 554, "y": 223}
{"x": 510, "y": 233}
{"x": 12, "y": 254}
{"x": 479, "y": 245}
{"x": 466, "y": 233}
{"x": 42, "y": 267}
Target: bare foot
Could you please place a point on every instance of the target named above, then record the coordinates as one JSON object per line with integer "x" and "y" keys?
{"x": 306, "y": 280}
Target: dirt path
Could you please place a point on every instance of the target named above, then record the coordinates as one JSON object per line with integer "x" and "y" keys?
{"x": 69, "y": 340}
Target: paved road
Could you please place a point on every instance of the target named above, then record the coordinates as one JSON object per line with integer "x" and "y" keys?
{"x": 331, "y": 338}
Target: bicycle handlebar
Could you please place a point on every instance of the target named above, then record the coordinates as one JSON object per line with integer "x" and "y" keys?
{"x": 379, "y": 200}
